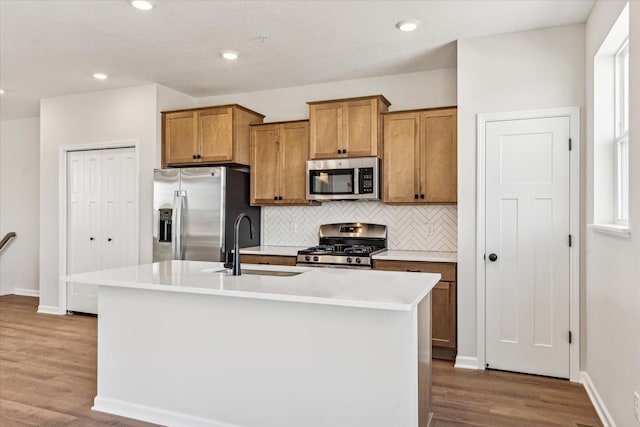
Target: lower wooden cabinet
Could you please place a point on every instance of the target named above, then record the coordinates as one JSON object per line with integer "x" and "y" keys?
{"x": 443, "y": 302}
{"x": 267, "y": 259}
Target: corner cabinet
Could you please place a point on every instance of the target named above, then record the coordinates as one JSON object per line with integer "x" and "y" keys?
{"x": 420, "y": 156}
{"x": 279, "y": 153}
{"x": 346, "y": 127}
{"x": 212, "y": 135}
{"x": 443, "y": 302}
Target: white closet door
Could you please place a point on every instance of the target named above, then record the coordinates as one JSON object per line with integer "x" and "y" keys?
{"x": 102, "y": 217}
{"x": 118, "y": 207}
{"x": 84, "y": 249}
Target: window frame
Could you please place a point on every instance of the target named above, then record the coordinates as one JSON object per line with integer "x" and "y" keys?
{"x": 621, "y": 140}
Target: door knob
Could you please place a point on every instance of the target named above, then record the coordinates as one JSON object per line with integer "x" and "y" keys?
{"x": 109, "y": 239}
{"x": 91, "y": 238}
{"x": 493, "y": 257}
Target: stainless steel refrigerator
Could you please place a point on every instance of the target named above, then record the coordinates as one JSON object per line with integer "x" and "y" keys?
{"x": 194, "y": 210}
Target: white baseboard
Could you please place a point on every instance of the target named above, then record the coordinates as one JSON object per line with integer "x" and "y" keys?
{"x": 596, "y": 400}
{"x": 152, "y": 414}
{"x": 49, "y": 309}
{"x": 465, "y": 362}
{"x": 26, "y": 292}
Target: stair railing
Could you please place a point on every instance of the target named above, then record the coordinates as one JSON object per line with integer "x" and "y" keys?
{"x": 10, "y": 235}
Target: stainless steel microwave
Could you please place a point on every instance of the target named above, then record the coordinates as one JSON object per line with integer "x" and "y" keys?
{"x": 343, "y": 179}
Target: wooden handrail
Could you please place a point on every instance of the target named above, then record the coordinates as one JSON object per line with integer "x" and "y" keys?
{"x": 6, "y": 239}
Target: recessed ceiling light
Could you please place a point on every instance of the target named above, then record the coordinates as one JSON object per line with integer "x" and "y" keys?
{"x": 408, "y": 24}
{"x": 142, "y": 4}
{"x": 230, "y": 55}
{"x": 100, "y": 76}
{"x": 1, "y": 91}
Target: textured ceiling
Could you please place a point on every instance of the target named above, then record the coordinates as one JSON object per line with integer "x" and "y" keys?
{"x": 51, "y": 48}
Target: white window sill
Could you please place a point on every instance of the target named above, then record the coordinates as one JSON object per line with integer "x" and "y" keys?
{"x": 613, "y": 229}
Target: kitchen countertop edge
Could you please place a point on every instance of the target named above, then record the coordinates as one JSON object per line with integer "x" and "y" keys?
{"x": 387, "y": 255}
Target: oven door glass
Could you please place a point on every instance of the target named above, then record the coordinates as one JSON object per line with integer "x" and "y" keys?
{"x": 333, "y": 181}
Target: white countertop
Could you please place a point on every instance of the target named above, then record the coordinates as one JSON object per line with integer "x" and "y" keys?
{"x": 273, "y": 250}
{"x": 387, "y": 290}
{"x": 430, "y": 256}
{"x": 389, "y": 254}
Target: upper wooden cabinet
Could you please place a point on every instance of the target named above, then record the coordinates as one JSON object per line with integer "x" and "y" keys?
{"x": 279, "y": 153}
{"x": 346, "y": 127}
{"x": 420, "y": 156}
{"x": 209, "y": 135}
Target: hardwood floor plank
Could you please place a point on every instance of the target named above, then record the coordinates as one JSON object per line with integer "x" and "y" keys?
{"x": 48, "y": 378}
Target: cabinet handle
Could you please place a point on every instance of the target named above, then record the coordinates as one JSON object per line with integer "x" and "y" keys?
{"x": 422, "y": 196}
{"x": 279, "y": 197}
{"x": 413, "y": 271}
{"x": 194, "y": 157}
{"x": 339, "y": 151}
{"x": 344, "y": 151}
{"x": 91, "y": 238}
{"x": 199, "y": 156}
{"x": 275, "y": 197}
{"x": 109, "y": 239}
{"x": 415, "y": 196}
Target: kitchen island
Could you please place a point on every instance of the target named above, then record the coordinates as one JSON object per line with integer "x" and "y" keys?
{"x": 185, "y": 343}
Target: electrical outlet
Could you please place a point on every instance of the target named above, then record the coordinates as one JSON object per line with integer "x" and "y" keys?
{"x": 293, "y": 227}
{"x": 636, "y": 404}
{"x": 429, "y": 229}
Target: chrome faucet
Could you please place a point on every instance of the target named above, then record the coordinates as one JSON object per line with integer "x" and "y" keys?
{"x": 236, "y": 242}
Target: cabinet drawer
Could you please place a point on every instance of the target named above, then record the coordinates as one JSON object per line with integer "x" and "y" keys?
{"x": 268, "y": 259}
{"x": 446, "y": 269}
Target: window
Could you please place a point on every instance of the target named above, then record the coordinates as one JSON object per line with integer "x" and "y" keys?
{"x": 610, "y": 171}
{"x": 622, "y": 132}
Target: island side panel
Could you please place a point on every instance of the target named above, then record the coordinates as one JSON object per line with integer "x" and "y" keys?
{"x": 174, "y": 358}
{"x": 424, "y": 362}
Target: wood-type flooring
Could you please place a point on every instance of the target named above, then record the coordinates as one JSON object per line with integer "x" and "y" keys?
{"x": 48, "y": 378}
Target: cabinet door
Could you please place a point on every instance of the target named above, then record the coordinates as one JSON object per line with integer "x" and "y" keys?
{"x": 361, "y": 128}
{"x": 439, "y": 154}
{"x": 181, "y": 142}
{"x": 294, "y": 150}
{"x": 401, "y": 149}
{"x": 443, "y": 315}
{"x": 215, "y": 134}
{"x": 264, "y": 164}
{"x": 325, "y": 123}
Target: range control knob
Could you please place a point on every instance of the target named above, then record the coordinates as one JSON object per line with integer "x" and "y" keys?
{"x": 358, "y": 260}
{"x": 349, "y": 259}
{"x": 307, "y": 258}
{"x": 315, "y": 258}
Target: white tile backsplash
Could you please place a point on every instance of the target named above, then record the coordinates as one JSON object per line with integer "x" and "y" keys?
{"x": 422, "y": 228}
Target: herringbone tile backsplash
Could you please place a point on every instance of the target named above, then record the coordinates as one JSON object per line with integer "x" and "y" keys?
{"x": 422, "y": 228}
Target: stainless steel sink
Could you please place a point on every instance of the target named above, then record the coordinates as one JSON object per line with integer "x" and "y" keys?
{"x": 279, "y": 273}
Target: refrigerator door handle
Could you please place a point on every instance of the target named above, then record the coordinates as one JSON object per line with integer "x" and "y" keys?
{"x": 177, "y": 249}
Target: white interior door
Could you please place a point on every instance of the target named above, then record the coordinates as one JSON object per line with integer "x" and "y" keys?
{"x": 83, "y": 231}
{"x": 527, "y": 245}
{"x": 101, "y": 217}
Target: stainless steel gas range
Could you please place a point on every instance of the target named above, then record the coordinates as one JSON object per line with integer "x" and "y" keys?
{"x": 349, "y": 245}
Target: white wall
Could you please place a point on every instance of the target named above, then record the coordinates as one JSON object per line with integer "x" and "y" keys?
{"x": 19, "y": 198}
{"x": 612, "y": 359}
{"x": 89, "y": 118}
{"x": 436, "y": 88}
{"x": 517, "y": 71}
